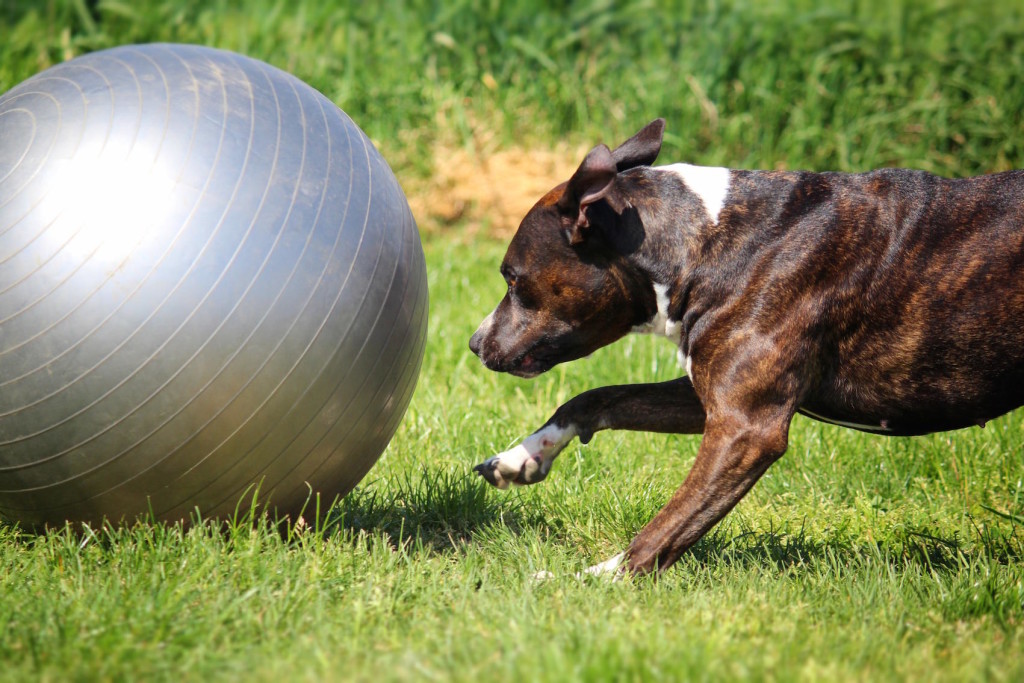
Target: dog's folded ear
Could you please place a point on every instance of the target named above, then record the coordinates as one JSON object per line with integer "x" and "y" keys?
{"x": 594, "y": 179}
{"x": 591, "y": 182}
{"x": 642, "y": 149}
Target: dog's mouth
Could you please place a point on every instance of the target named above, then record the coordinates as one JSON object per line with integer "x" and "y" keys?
{"x": 529, "y": 366}
{"x": 522, "y": 360}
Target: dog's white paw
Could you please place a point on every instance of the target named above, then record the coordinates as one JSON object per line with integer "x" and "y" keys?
{"x": 530, "y": 461}
{"x": 519, "y": 465}
{"x": 610, "y": 568}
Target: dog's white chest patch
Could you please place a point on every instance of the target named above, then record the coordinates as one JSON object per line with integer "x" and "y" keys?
{"x": 710, "y": 183}
{"x": 661, "y": 325}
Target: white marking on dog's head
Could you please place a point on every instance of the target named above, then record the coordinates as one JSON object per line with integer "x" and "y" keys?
{"x": 710, "y": 183}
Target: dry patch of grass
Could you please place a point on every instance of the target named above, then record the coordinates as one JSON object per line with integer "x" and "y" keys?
{"x": 487, "y": 186}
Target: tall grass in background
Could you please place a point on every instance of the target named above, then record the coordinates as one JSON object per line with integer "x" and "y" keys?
{"x": 857, "y": 557}
{"x": 817, "y": 84}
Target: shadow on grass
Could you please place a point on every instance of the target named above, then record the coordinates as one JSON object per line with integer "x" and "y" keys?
{"x": 438, "y": 508}
{"x": 921, "y": 549}
{"x": 979, "y": 578}
{"x": 444, "y": 509}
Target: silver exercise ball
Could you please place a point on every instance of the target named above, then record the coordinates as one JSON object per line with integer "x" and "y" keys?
{"x": 210, "y": 285}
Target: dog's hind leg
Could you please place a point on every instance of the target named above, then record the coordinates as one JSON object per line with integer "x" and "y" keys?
{"x": 670, "y": 407}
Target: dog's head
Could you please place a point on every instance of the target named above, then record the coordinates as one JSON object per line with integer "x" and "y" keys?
{"x": 571, "y": 286}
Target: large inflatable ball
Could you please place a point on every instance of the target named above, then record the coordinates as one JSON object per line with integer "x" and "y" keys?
{"x": 211, "y": 287}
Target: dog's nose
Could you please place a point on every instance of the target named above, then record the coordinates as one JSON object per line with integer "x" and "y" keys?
{"x": 474, "y": 342}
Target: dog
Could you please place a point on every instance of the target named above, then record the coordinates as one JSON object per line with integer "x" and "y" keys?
{"x": 890, "y": 302}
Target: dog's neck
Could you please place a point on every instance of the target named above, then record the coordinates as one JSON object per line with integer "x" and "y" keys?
{"x": 695, "y": 223}
{"x": 709, "y": 184}
{"x": 672, "y": 211}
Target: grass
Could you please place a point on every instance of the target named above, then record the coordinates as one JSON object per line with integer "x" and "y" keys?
{"x": 799, "y": 83}
{"x": 856, "y": 558}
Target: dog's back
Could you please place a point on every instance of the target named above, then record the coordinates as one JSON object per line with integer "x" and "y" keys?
{"x": 914, "y": 286}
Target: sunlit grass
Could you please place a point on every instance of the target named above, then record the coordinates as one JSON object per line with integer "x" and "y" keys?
{"x": 857, "y": 557}
{"x": 800, "y": 83}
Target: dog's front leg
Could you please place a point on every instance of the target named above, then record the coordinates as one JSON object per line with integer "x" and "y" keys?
{"x": 736, "y": 450}
{"x": 670, "y": 407}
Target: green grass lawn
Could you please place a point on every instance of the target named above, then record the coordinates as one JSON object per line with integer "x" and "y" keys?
{"x": 856, "y": 558}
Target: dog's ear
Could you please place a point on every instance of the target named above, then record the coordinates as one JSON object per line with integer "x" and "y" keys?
{"x": 641, "y": 149}
{"x": 591, "y": 181}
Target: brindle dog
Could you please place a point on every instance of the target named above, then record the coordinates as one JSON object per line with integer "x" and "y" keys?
{"x": 890, "y": 302}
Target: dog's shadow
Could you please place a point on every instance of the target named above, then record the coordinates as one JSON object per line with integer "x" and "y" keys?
{"x": 443, "y": 510}
{"x": 922, "y": 550}
{"x": 438, "y": 509}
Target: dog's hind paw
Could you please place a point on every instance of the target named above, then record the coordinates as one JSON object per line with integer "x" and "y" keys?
{"x": 612, "y": 569}
{"x": 529, "y": 462}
